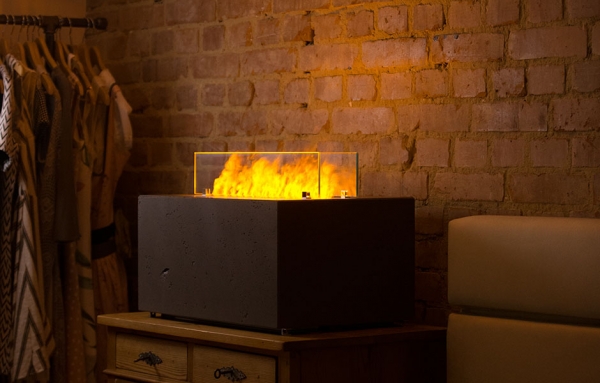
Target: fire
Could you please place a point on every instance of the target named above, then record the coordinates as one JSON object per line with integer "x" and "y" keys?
{"x": 264, "y": 178}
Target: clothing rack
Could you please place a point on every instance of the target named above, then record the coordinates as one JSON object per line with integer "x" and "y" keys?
{"x": 51, "y": 24}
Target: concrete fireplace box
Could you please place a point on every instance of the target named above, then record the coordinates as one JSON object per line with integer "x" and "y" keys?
{"x": 277, "y": 265}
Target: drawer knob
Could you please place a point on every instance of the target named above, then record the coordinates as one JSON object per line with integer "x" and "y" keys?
{"x": 149, "y": 357}
{"x": 230, "y": 373}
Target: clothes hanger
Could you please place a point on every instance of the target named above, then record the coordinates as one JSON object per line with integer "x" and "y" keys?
{"x": 45, "y": 52}
{"x": 84, "y": 57}
{"x": 61, "y": 60}
{"x": 95, "y": 56}
{"x": 76, "y": 66}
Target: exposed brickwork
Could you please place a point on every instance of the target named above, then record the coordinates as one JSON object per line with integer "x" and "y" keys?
{"x": 395, "y": 86}
{"x": 432, "y": 152}
{"x": 549, "y": 153}
{"x": 328, "y": 88}
{"x": 542, "y": 11}
{"x": 546, "y": 79}
{"x": 428, "y": 17}
{"x": 469, "y": 82}
{"x": 431, "y": 83}
{"x": 393, "y": 19}
{"x": 502, "y": 12}
{"x": 464, "y": 14}
{"x": 366, "y": 121}
{"x": 361, "y": 87}
{"x": 547, "y": 42}
{"x": 468, "y": 47}
{"x": 471, "y": 107}
{"x": 554, "y": 188}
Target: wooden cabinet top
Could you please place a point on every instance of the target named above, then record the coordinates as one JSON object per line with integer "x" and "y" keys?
{"x": 142, "y": 321}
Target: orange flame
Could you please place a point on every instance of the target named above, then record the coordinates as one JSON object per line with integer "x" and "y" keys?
{"x": 263, "y": 178}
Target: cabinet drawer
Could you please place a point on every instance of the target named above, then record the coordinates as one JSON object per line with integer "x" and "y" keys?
{"x": 257, "y": 368}
{"x": 173, "y": 355}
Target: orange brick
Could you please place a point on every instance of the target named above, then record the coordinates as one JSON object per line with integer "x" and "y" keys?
{"x": 509, "y": 82}
{"x": 393, "y": 19}
{"x": 299, "y": 121}
{"x": 187, "y": 12}
{"x": 163, "y": 182}
{"x": 254, "y": 123}
{"x": 160, "y": 153}
{"x": 469, "y": 82}
{"x": 576, "y": 114}
{"x": 394, "y": 184}
{"x": 299, "y": 146}
{"x": 495, "y": 117}
{"x": 267, "y": 61}
{"x": 327, "y": 57}
{"x": 213, "y": 94}
{"x": 240, "y": 93}
{"x": 360, "y": 23}
{"x": 362, "y": 120}
{"x": 147, "y": 126}
{"x": 434, "y": 117}
{"x": 586, "y": 76}
{"x": 586, "y": 152}
{"x": 432, "y": 152}
{"x": 186, "y": 40}
{"x": 546, "y": 79}
{"x": 328, "y": 89}
{"x": 579, "y": 9}
{"x": 162, "y": 97}
{"x": 459, "y": 187}
{"x": 535, "y": 43}
{"x": 396, "y": 52}
{"x": 296, "y": 91}
{"x": 464, "y": 14}
{"x": 327, "y": 26}
{"x": 297, "y": 28}
{"x": 330, "y": 146}
{"x": 231, "y": 9}
{"x": 213, "y": 38}
{"x": 190, "y": 125}
{"x": 396, "y": 86}
{"x": 298, "y": 5}
{"x": 428, "y": 17}
{"x": 162, "y": 42}
{"x": 392, "y": 151}
{"x": 223, "y": 65}
{"x": 431, "y": 254}
{"x": 367, "y": 152}
{"x": 171, "y": 69}
{"x": 508, "y": 152}
{"x": 228, "y": 124}
{"x": 239, "y": 35}
{"x": 431, "y": 83}
{"x": 549, "y": 152}
{"x": 429, "y": 220}
{"x": 596, "y": 39}
{"x": 548, "y": 188}
{"x": 139, "y": 154}
{"x": 467, "y": 47}
{"x": 140, "y": 43}
{"x": 266, "y": 92}
{"x": 597, "y": 189}
{"x": 533, "y": 117}
{"x": 361, "y": 87}
{"x": 186, "y": 97}
{"x": 267, "y": 31}
{"x": 502, "y": 12}
{"x": 470, "y": 154}
{"x": 268, "y": 145}
{"x": 543, "y": 11}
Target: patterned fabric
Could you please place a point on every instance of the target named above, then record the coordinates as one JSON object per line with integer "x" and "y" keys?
{"x": 31, "y": 327}
{"x": 83, "y": 177}
{"x": 8, "y": 157}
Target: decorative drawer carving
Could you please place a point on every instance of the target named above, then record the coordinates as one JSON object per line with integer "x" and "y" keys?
{"x": 157, "y": 357}
{"x": 211, "y": 363}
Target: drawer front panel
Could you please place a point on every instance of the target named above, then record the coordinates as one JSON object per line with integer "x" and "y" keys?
{"x": 257, "y": 368}
{"x": 173, "y": 355}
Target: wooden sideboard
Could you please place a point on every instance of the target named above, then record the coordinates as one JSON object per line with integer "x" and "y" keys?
{"x": 199, "y": 353}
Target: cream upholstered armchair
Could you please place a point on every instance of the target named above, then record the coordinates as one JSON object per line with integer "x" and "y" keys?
{"x": 528, "y": 289}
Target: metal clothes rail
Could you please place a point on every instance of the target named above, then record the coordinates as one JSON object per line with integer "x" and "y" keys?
{"x": 50, "y": 24}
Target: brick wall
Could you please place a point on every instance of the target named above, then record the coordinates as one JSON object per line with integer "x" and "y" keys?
{"x": 472, "y": 107}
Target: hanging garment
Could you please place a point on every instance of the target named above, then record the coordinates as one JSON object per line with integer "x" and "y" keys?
{"x": 8, "y": 163}
{"x": 31, "y": 327}
{"x": 110, "y": 279}
{"x": 83, "y": 178}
